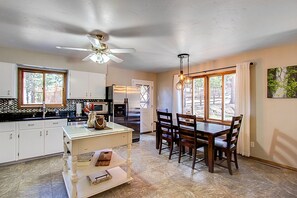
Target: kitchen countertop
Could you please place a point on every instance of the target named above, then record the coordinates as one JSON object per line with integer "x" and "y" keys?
{"x": 82, "y": 131}
{"x": 14, "y": 117}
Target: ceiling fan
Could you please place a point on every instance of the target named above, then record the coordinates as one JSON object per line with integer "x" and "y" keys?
{"x": 100, "y": 53}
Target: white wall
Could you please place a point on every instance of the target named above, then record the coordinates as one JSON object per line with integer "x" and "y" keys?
{"x": 273, "y": 121}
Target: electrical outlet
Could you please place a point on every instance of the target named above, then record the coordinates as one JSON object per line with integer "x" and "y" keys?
{"x": 252, "y": 144}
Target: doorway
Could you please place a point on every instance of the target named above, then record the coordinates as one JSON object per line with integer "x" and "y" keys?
{"x": 146, "y": 104}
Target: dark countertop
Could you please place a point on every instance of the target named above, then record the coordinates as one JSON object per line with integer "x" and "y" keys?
{"x": 13, "y": 117}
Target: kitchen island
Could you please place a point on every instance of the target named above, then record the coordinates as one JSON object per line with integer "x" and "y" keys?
{"x": 79, "y": 140}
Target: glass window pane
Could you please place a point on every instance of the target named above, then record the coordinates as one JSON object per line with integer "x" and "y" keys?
{"x": 144, "y": 96}
{"x": 187, "y": 98}
{"x": 198, "y": 92}
{"x": 229, "y": 96}
{"x": 54, "y": 88}
{"x": 215, "y": 97}
{"x": 32, "y": 88}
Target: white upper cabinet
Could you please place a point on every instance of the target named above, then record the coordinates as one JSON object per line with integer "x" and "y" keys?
{"x": 86, "y": 85}
{"x": 97, "y": 86}
{"x": 78, "y": 85}
{"x": 8, "y": 78}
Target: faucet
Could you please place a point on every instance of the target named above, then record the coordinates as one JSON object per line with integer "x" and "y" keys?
{"x": 44, "y": 111}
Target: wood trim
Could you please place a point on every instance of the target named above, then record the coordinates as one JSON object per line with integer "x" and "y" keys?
{"x": 43, "y": 71}
{"x": 273, "y": 163}
{"x": 207, "y": 95}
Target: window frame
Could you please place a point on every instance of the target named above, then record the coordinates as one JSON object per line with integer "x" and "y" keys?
{"x": 207, "y": 97}
{"x": 21, "y": 72}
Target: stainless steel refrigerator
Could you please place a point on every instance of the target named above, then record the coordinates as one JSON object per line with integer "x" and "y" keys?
{"x": 124, "y": 107}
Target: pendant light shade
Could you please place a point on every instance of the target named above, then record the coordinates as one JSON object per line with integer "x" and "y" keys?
{"x": 183, "y": 78}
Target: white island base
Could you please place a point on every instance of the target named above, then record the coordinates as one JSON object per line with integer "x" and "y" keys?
{"x": 85, "y": 189}
{"x": 79, "y": 140}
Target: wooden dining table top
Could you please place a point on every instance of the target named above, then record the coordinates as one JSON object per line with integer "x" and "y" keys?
{"x": 207, "y": 127}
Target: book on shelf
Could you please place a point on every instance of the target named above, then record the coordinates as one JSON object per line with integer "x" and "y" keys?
{"x": 99, "y": 177}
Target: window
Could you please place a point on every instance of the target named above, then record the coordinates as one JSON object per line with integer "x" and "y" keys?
{"x": 144, "y": 96}
{"x": 211, "y": 97}
{"x": 38, "y": 86}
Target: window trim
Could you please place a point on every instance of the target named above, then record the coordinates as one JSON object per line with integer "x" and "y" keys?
{"x": 21, "y": 71}
{"x": 206, "y": 96}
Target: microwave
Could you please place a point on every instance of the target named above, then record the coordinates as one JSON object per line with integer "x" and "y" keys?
{"x": 99, "y": 107}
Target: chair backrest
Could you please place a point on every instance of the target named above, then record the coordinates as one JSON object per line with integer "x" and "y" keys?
{"x": 187, "y": 127}
{"x": 232, "y": 136}
{"x": 163, "y": 110}
{"x": 165, "y": 122}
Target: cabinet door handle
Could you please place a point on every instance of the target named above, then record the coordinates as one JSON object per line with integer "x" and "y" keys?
{"x": 8, "y": 92}
{"x": 40, "y": 133}
{"x": 46, "y": 133}
{"x": 30, "y": 124}
{"x": 10, "y": 136}
{"x": 86, "y": 94}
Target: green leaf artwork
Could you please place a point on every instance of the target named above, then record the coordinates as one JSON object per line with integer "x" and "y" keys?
{"x": 282, "y": 82}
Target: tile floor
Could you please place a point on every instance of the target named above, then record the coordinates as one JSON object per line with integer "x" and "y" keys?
{"x": 155, "y": 176}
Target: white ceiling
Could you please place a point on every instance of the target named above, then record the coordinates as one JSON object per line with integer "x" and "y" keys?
{"x": 157, "y": 29}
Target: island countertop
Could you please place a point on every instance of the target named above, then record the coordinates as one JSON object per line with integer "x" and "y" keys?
{"x": 82, "y": 131}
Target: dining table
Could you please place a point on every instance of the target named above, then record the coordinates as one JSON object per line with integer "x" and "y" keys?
{"x": 207, "y": 129}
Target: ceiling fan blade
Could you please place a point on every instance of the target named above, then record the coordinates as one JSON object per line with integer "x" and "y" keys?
{"x": 114, "y": 58}
{"x": 95, "y": 41}
{"x": 124, "y": 50}
{"x": 74, "y": 48}
{"x": 89, "y": 57}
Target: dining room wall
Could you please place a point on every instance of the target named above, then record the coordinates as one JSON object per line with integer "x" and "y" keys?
{"x": 273, "y": 121}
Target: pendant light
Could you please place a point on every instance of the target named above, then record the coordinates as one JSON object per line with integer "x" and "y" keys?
{"x": 182, "y": 77}
{"x": 188, "y": 79}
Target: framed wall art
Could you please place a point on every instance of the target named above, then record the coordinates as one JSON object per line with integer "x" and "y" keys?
{"x": 282, "y": 82}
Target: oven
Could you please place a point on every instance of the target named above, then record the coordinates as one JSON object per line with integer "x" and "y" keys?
{"x": 77, "y": 121}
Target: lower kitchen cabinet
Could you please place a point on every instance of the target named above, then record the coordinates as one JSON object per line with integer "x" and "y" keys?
{"x": 28, "y": 139}
{"x": 31, "y": 143}
{"x": 53, "y": 138}
{"x": 7, "y": 142}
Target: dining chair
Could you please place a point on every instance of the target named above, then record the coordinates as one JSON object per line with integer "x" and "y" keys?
{"x": 163, "y": 110}
{"x": 228, "y": 145}
{"x": 166, "y": 131}
{"x": 188, "y": 136}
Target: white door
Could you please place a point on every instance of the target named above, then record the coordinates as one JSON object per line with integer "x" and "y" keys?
{"x": 97, "y": 84}
{"x": 78, "y": 85}
{"x": 146, "y": 104}
{"x": 31, "y": 143}
{"x": 7, "y": 146}
{"x": 53, "y": 140}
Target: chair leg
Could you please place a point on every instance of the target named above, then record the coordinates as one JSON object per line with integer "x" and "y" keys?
{"x": 179, "y": 154}
{"x": 235, "y": 159}
{"x": 160, "y": 146}
{"x": 215, "y": 154}
{"x": 229, "y": 156}
{"x": 194, "y": 158}
{"x": 171, "y": 149}
{"x": 190, "y": 151}
{"x": 220, "y": 155}
{"x": 206, "y": 155}
{"x": 184, "y": 149}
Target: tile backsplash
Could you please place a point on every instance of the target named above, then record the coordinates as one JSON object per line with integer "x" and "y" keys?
{"x": 11, "y": 106}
